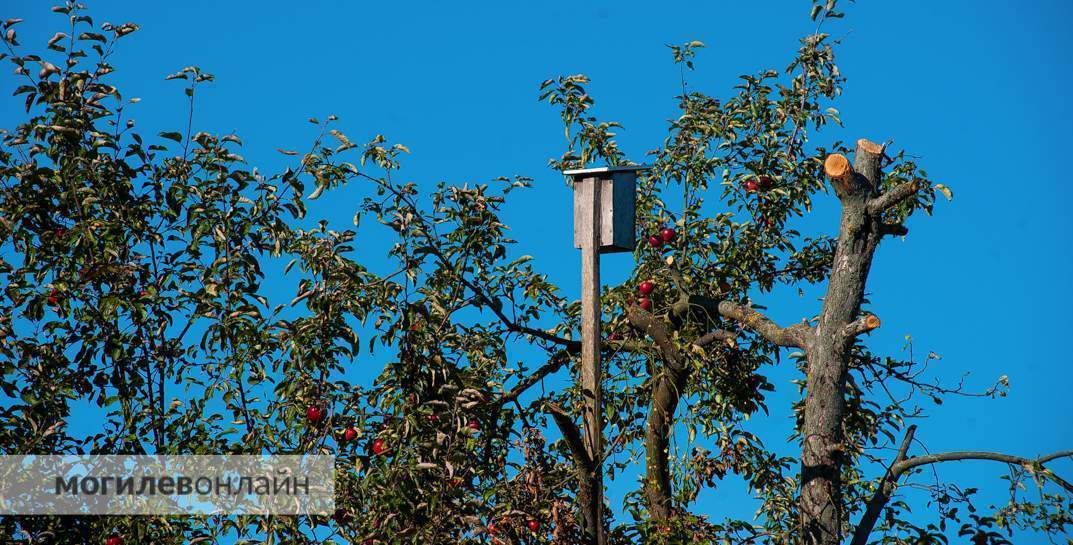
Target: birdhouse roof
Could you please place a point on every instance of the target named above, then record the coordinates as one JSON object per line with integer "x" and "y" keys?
{"x": 596, "y": 170}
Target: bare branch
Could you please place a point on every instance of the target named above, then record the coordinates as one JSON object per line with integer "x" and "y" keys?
{"x": 892, "y": 197}
{"x": 918, "y": 461}
{"x": 902, "y": 464}
{"x": 882, "y": 494}
{"x": 864, "y": 324}
{"x": 555, "y": 363}
{"x": 571, "y": 434}
{"x": 719, "y": 335}
{"x": 796, "y": 335}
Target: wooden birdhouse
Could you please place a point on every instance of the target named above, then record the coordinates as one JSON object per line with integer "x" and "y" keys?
{"x": 613, "y": 205}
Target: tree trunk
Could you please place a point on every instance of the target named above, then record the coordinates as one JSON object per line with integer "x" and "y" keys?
{"x": 822, "y": 435}
{"x": 657, "y": 441}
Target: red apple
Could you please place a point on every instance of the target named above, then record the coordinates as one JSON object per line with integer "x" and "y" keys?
{"x": 114, "y": 540}
{"x": 655, "y": 241}
{"x": 645, "y": 303}
{"x": 646, "y": 287}
{"x": 379, "y": 446}
{"x": 350, "y": 434}
{"x": 614, "y": 337}
{"x": 341, "y": 516}
{"x": 533, "y": 525}
{"x": 667, "y": 234}
{"x": 751, "y": 185}
{"x": 474, "y": 425}
{"x": 314, "y": 414}
{"x": 765, "y": 182}
{"x": 492, "y": 528}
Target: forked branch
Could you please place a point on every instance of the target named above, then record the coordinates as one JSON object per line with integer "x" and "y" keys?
{"x": 902, "y": 464}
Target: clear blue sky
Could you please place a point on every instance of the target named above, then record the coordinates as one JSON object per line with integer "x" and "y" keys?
{"x": 978, "y": 89}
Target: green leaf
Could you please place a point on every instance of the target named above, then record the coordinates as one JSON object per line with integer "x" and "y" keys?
{"x": 945, "y": 191}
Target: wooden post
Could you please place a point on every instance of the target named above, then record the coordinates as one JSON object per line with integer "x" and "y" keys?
{"x": 604, "y": 222}
{"x": 591, "y": 369}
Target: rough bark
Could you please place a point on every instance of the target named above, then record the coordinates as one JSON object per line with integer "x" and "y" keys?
{"x": 822, "y": 453}
{"x": 584, "y": 468}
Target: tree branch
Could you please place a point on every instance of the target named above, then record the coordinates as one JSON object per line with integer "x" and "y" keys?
{"x": 893, "y": 229}
{"x": 561, "y": 357}
{"x": 555, "y": 362}
{"x": 882, "y": 494}
{"x": 796, "y": 335}
{"x": 861, "y": 325}
{"x": 719, "y": 335}
{"x": 892, "y": 197}
{"x": 584, "y": 467}
{"x": 647, "y": 323}
{"x": 837, "y": 167}
{"x": 666, "y": 392}
{"x": 571, "y": 434}
{"x": 901, "y": 464}
{"x": 918, "y": 461}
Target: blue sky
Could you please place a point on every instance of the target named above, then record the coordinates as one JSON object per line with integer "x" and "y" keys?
{"x": 977, "y": 89}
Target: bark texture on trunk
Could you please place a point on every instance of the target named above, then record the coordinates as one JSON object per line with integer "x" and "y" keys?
{"x": 585, "y": 470}
{"x": 822, "y": 453}
{"x": 669, "y": 384}
{"x": 666, "y": 393}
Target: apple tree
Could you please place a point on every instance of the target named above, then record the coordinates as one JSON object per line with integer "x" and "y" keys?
{"x": 142, "y": 276}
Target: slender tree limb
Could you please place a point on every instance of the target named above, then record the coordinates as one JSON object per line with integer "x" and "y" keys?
{"x": 555, "y": 362}
{"x": 928, "y": 459}
{"x": 864, "y": 324}
{"x": 560, "y": 358}
{"x": 719, "y": 335}
{"x": 901, "y": 464}
{"x": 584, "y": 466}
{"x": 882, "y": 494}
{"x": 796, "y": 335}
{"x": 571, "y": 434}
{"x": 892, "y": 197}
